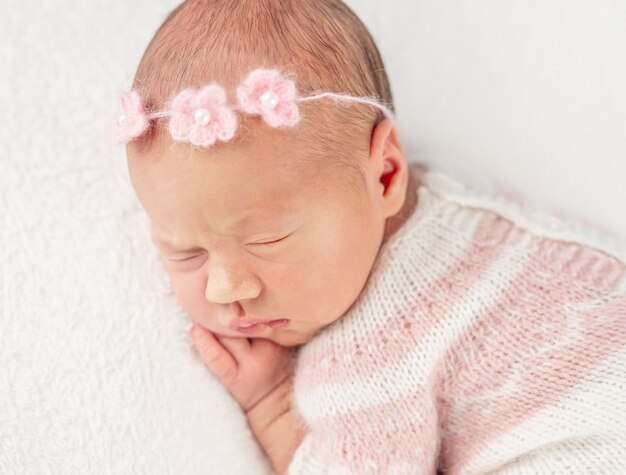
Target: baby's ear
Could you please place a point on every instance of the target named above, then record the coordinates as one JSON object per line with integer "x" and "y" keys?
{"x": 388, "y": 164}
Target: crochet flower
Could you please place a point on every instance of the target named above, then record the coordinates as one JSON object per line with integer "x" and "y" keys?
{"x": 133, "y": 121}
{"x": 267, "y": 93}
{"x": 202, "y": 116}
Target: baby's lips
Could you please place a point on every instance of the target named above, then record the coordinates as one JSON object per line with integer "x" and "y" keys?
{"x": 279, "y": 323}
{"x": 276, "y": 323}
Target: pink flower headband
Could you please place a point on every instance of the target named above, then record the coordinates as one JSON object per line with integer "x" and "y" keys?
{"x": 202, "y": 116}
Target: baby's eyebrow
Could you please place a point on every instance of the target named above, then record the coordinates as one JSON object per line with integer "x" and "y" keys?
{"x": 254, "y": 219}
{"x": 269, "y": 225}
{"x": 165, "y": 243}
{"x": 171, "y": 248}
{"x": 161, "y": 241}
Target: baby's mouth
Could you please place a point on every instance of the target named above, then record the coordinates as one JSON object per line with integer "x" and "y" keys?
{"x": 255, "y": 327}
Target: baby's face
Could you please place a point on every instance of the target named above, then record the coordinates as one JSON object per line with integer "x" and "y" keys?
{"x": 244, "y": 236}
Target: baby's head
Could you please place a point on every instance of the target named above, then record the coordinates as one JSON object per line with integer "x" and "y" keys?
{"x": 277, "y": 222}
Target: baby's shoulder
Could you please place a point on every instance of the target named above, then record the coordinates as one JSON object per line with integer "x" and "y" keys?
{"x": 485, "y": 197}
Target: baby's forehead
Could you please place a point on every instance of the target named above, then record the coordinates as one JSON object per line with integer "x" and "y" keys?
{"x": 262, "y": 168}
{"x": 176, "y": 224}
{"x": 257, "y": 148}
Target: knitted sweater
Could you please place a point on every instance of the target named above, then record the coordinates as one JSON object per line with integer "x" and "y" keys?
{"x": 488, "y": 338}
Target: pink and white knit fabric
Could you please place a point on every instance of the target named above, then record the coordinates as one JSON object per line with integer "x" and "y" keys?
{"x": 488, "y": 339}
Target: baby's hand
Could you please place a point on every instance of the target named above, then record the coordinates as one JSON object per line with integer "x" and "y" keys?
{"x": 258, "y": 373}
{"x": 251, "y": 369}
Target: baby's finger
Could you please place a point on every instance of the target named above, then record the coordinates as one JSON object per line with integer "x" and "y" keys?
{"x": 239, "y": 347}
{"x": 215, "y": 356}
{"x": 269, "y": 350}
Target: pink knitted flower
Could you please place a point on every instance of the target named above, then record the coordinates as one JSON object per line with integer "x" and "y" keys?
{"x": 133, "y": 121}
{"x": 267, "y": 93}
{"x": 202, "y": 117}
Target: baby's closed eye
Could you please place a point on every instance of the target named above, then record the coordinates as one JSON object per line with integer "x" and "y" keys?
{"x": 185, "y": 259}
{"x": 187, "y": 256}
{"x": 270, "y": 241}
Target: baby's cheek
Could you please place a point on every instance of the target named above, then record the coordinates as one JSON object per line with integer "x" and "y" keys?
{"x": 189, "y": 290}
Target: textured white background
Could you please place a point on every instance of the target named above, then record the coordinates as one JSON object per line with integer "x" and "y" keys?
{"x": 98, "y": 374}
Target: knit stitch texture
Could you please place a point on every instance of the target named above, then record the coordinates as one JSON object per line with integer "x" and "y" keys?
{"x": 489, "y": 338}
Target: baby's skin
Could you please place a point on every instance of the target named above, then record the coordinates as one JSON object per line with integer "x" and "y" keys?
{"x": 278, "y": 224}
{"x": 243, "y": 235}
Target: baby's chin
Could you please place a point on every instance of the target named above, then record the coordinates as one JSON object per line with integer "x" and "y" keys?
{"x": 288, "y": 339}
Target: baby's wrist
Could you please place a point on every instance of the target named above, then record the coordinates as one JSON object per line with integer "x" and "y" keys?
{"x": 265, "y": 412}
{"x": 277, "y": 427}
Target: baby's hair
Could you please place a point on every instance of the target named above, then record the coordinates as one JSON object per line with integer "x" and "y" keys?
{"x": 321, "y": 44}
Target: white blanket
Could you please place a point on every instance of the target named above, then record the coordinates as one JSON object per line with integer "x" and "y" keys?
{"x": 98, "y": 373}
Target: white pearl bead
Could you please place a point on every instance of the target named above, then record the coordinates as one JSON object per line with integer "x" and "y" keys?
{"x": 202, "y": 116}
{"x": 269, "y": 100}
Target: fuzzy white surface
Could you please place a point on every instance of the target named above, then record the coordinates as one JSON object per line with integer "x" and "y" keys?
{"x": 98, "y": 371}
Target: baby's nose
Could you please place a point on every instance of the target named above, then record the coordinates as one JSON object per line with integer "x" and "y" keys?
{"x": 225, "y": 286}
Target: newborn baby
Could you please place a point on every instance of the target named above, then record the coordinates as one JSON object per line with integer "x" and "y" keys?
{"x": 369, "y": 316}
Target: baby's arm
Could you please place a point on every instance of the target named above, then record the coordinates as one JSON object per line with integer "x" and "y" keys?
{"x": 277, "y": 427}
{"x": 259, "y": 375}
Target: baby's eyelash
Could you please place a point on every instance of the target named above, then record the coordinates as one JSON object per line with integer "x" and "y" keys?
{"x": 275, "y": 241}
{"x": 185, "y": 259}
{"x": 269, "y": 242}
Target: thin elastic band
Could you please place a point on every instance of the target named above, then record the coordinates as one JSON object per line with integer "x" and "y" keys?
{"x": 335, "y": 97}
{"x": 348, "y": 98}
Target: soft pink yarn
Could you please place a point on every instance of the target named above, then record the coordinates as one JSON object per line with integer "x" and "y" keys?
{"x": 202, "y": 117}
{"x": 263, "y": 81}
{"x": 132, "y": 122}
{"x": 211, "y": 98}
